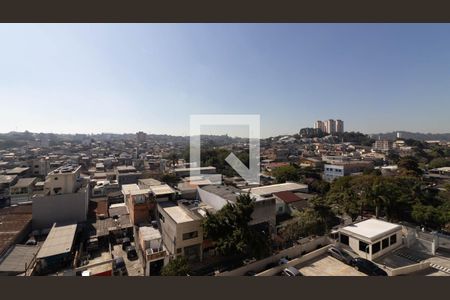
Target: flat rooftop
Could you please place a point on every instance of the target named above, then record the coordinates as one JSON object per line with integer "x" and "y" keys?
{"x": 7, "y": 179}
{"x": 276, "y": 188}
{"x": 59, "y": 241}
{"x": 326, "y": 265}
{"x": 228, "y": 193}
{"x": 149, "y": 182}
{"x": 195, "y": 169}
{"x": 139, "y": 192}
{"x": 127, "y": 188}
{"x": 17, "y": 170}
{"x": 103, "y": 227}
{"x": 371, "y": 229}
{"x": 24, "y": 182}
{"x": 124, "y": 169}
{"x": 67, "y": 169}
{"x": 178, "y": 214}
{"x": 162, "y": 189}
{"x": 148, "y": 233}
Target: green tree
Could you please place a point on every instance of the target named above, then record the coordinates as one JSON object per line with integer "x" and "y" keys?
{"x": 232, "y": 235}
{"x": 409, "y": 166}
{"x": 176, "y": 267}
{"x": 173, "y": 157}
{"x": 439, "y": 163}
{"x": 170, "y": 179}
{"x": 319, "y": 186}
{"x": 344, "y": 197}
{"x": 311, "y": 221}
{"x": 393, "y": 157}
{"x": 286, "y": 173}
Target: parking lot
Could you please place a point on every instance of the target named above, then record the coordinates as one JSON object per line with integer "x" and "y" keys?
{"x": 134, "y": 267}
{"x": 326, "y": 265}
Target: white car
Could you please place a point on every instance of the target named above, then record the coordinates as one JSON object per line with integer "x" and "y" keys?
{"x": 291, "y": 271}
{"x": 340, "y": 254}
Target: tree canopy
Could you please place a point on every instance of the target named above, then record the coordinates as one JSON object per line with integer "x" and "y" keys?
{"x": 176, "y": 267}
{"x": 231, "y": 233}
{"x": 286, "y": 173}
{"x": 396, "y": 198}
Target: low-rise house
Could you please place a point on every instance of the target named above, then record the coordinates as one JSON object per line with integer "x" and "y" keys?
{"x": 153, "y": 250}
{"x": 64, "y": 200}
{"x": 269, "y": 190}
{"x": 184, "y": 172}
{"x": 287, "y": 202}
{"x": 6, "y": 182}
{"x": 57, "y": 250}
{"x": 23, "y": 190}
{"x": 19, "y": 171}
{"x": 217, "y": 196}
{"x": 333, "y": 171}
{"x": 139, "y": 204}
{"x": 162, "y": 192}
{"x": 127, "y": 175}
{"x": 181, "y": 230}
{"x": 371, "y": 238}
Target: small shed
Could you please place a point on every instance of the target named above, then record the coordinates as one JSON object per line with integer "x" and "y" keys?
{"x": 371, "y": 238}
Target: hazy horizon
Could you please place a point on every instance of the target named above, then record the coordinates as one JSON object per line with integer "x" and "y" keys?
{"x": 124, "y": 78}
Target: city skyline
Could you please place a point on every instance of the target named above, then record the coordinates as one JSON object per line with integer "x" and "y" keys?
{"x": 82, "y": 78}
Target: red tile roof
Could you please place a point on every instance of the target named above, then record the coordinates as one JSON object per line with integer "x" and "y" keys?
{"x": 287, "y": 197}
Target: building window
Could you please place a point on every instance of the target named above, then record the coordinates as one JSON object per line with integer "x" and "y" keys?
{"x": 363, "y": 247}
{"x": 190, "y": 235}
{"x": 344, "y": 239}
{"x": 393, "y": 239}
{"x": 178, "y": 250}
{"x": 376, "y": 247}
{"x": 385, "y": 243}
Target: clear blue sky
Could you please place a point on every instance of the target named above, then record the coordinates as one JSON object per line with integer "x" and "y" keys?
{"x": 91, "y": 78}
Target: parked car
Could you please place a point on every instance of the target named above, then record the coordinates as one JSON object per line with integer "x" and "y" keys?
{"x": 367, "y": 267}
{"x": 283, "y": 261}
{"x": 340, "y": 254}
{"x": 131, "y": 253}
{"x": 31, "y": 241}
{"x": 250, "y": 273}
{"x": 291, "y": 271}
{"x": 126, "y": 243}
{"x": 249, "y": 261}
{"x": 120, "y": 268}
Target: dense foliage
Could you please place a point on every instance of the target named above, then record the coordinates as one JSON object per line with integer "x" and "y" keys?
{"x": 232, "y": 235}
{"x": 211, "y": 156}
{"x": 176, "y": 267}
{"x": 315, "y": 220}
{"x": 396, "y": 198}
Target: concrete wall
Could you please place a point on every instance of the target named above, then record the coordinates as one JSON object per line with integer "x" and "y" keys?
{"x": 295, "y": 261}
{"x": 443, "y": 241}
{"x": 410, "y": 269}
{"x": 305, "y": 245}
{"x": 66, "y": 208}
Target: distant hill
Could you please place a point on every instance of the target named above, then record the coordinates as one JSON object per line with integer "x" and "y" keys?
{"x": 412, "y": 135}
